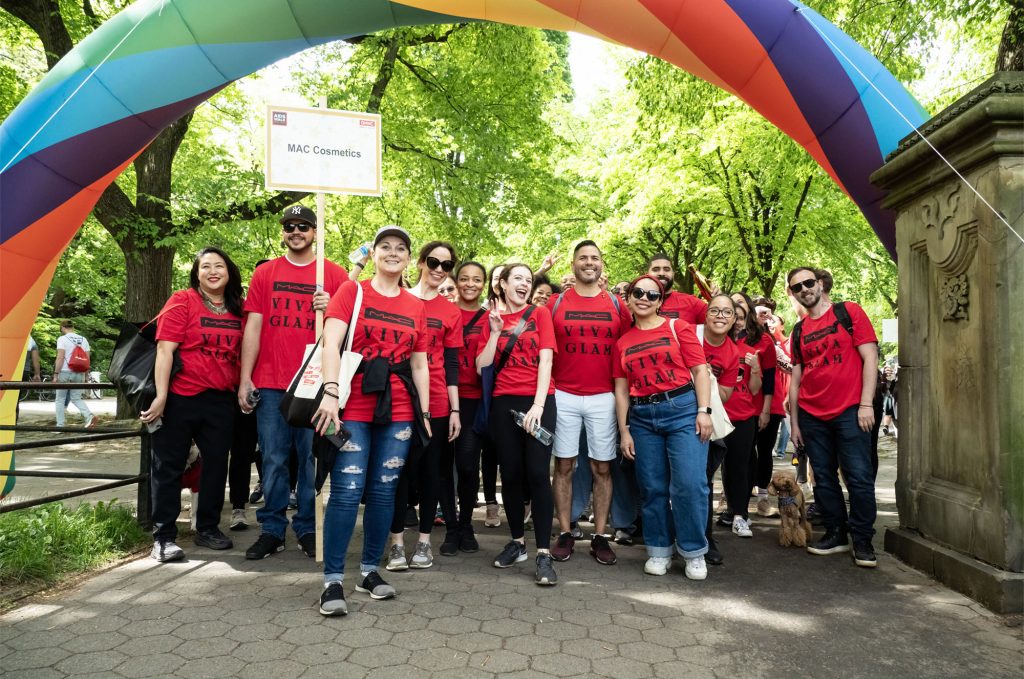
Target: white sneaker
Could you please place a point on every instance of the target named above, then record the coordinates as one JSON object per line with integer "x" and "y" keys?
{"x": 396, "y": 559}
{"x": 659, "y": 565}
{"x": 740, "y": 527}
{"x": 696, "y": 569}
{"x": 238, "y": 520}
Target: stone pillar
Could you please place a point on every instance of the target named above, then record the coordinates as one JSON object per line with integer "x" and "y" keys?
{"x": 960, "y": 483}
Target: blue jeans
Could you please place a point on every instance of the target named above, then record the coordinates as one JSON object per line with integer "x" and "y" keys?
{"x": 780, "y": 447}
{"x": 671, "y": 465}
{"x": 839, "y": 444}
{"x": 65, "y": 396}
{"x": 277, "y": 438}
{"x": 624, "y": 490}
{"x": 372, "y": 460}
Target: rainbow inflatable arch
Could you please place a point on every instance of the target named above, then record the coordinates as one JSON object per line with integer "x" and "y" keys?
{"x": 158, "y": 59}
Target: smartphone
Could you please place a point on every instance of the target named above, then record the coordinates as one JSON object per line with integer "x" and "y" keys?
{"x": 338, "y": 438}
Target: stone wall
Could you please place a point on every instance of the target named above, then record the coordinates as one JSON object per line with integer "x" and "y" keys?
{"x": 960, "y": 485}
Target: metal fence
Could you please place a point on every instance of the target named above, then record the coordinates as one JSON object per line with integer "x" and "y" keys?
{"x": 75, "y": 435}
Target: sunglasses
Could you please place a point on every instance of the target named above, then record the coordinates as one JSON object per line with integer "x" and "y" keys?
{"x": 797, "y": 287}
{"x": 651, "y": 295}
{"x": 446, "y": 266}
{"x": 290, "y": 227}
{"x": 724, "y": 313}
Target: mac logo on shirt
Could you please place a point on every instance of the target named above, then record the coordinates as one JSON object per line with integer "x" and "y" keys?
{"x": 372, "y": 314}
{"x": 435, "y": 323}
{"x": 220, "y": 323}
{"x": 588, "y": 316}
{"x": 294, "y": 288}
{"x": 653, "y": 344}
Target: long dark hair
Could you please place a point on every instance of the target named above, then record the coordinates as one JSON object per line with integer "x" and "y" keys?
{"x": 752, "y": 329}
{"x": 233, "y": 289}
{"x": 492, "y": 293}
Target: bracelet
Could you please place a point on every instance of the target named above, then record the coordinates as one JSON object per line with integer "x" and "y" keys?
{"x": 334, "y": 383}
{"x": 359, "y": 264}
{"x": 327, "y": 393}
{"x": 864, "y": 406}
{"x": 538, "y": 405}
{"x": 453, "y": 410}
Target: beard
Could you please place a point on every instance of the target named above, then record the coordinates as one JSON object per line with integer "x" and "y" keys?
{"x": 809, "y": 304}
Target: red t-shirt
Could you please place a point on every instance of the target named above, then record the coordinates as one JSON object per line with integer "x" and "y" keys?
{"x": 469, "y": 378}
{"x": 519, "y": 376}
{"x": 586, "y": 329}
{"x": 209, "y": 344}
{"x": 725, "y": 364}
{"x": 765, "y": 350}
{"x": 830, "y": 379}
{"x": 652, "y": 361}
{"x": 444, "y": 331}
{"x": 685, "y": 307}
{"x": 282, "y": 292}
{"x": 782, "y": 379}
{"x": 389, "y": 327}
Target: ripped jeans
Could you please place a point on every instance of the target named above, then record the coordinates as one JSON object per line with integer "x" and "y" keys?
{"x": 372, "y": 460}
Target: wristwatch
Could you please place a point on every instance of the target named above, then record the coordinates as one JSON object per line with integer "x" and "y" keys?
{"x": 426, "y": 414}
{"x": 706, "y": 410}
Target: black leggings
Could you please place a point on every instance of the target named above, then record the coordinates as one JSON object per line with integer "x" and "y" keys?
{"x": 462, "y": 457}
{"x": 489, "y": 470}
{"x": 716, "y": 455}
{"x": 243, "y": 454}
{"x": 736, "y": 470}
{"x": 523, "y": 459}
{"x": 208, "y": 418}
{"x": 764, "y": 460}
{"x": 424, "y": 475}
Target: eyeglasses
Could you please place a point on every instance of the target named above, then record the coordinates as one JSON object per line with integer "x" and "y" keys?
{"x": 446, "y": 266}
{"x": 290, "y": 227}
{"x": 723, "y": 313}
{"x": 651, "y": 295}
{"x": 797, "y": 287}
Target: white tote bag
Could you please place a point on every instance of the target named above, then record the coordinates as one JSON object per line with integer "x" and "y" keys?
{"x": 350, "y": 360}
{"x": 721, "y": 425}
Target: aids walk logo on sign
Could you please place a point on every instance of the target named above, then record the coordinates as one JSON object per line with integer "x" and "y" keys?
{"x": 323, "y": 150}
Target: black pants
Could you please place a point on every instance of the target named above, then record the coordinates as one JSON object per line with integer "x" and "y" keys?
{"x": 489, "y": 470}
{"x": 524, "y": 460}
{"x": 423, "y": 477}
{"x": 461, "y": 458}
{"x": 243, "y": 454}
{"x": 208, "y": 419}
{"x": 716, "y": 455}
{"x": 736, "y": 470}
{"x": 764, "y": 459}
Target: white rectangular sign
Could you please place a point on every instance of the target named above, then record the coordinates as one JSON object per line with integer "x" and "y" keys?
{"x": 891, "y": 330}
{"x": 323, "y": 150}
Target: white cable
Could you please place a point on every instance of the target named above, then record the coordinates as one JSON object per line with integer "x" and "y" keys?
{"x": 77, "y": 89}
{"x": 913, "y": 127}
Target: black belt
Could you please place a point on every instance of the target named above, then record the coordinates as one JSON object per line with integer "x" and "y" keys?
{"x": 661, "y": 396}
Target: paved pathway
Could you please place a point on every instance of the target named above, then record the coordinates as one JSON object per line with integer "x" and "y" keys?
{"x": 768, "y": 612}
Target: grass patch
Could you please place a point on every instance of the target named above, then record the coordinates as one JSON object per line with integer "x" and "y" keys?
{"x": 42, "y": 544}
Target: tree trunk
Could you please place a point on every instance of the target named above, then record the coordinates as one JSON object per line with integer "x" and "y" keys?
{"x": 149, "y": 271}
{"x": 1011, "y": 47}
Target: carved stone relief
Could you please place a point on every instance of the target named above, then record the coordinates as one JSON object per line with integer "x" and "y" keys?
{"x": 951, "y": 232}
{"x": 953, "y": 294}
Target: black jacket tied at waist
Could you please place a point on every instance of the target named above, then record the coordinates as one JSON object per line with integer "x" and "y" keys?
{"x": 377, "y": 374}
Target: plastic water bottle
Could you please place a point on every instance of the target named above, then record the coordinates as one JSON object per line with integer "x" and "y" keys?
{"x": 360, "y": 253}
{"x": 539, "y": 432}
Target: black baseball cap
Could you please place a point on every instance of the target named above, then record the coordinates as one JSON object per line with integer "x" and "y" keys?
{"x": 392, "y": 230}
{"x": 298, "y": 213}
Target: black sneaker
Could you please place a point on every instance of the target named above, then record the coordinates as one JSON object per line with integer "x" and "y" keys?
{"x": 713, "y": 556}
{"x": 257, "y": 493}
{"x": 165, "y": 551}
{"x": 545, "y": 575}
{"x": 724, "y": 519}
{"x": 864, "y": 554}
{"x": 265, "y": 545}
{"x": 213, "y": 539}
{"x": 307, "y": 545}
{"x": 332, "y": 601}
{"x": 467, "y": 540}
{"x": 375, "y": 586}
{"x": 514, "y": 552}
{"x": 450, "y": 546}
{"x": 833, "y": 542}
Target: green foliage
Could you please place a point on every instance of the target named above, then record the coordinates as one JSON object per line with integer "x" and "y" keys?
{"x": 44, "y": 543}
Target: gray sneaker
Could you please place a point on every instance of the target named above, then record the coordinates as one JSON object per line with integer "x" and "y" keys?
{"x": 396, "y": 559}
{"x": 375, "y": 586}
{"x": 165, "y": 551}
{"x": 422, "y": 557}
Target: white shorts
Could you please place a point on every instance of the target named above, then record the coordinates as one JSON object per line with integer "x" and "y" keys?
{"x": 597, "y": 414}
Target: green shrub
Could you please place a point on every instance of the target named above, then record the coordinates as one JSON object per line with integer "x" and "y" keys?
{"x": 44, "y": 543}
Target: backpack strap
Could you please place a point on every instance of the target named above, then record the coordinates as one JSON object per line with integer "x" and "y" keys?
{"x": 795, "y": 354}
{"x": 843, "y": 316}
{"x": 476, "y": 317}
{"x": 558, "y": 303}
